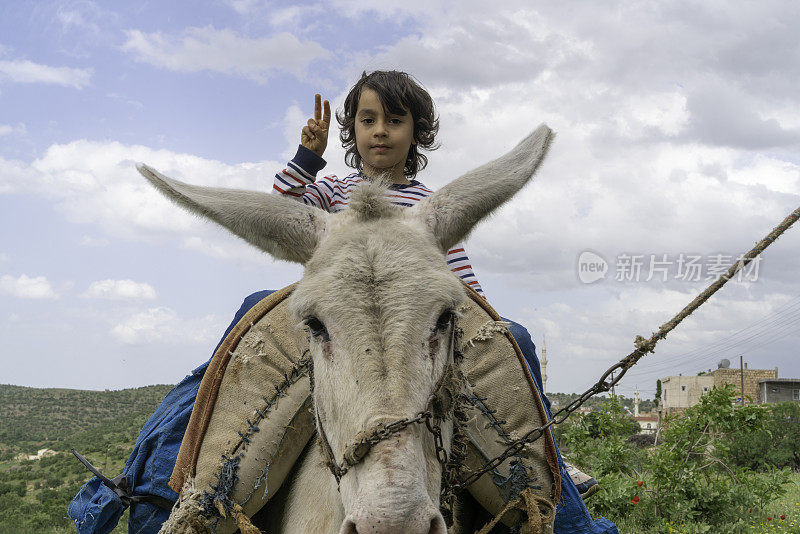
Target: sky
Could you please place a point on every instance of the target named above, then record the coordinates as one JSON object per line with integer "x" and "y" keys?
{"x": 678, "y": 147}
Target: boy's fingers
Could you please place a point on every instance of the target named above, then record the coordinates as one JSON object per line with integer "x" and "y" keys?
{"x": 326, "y": 118}
{"x": 317, "y": 107}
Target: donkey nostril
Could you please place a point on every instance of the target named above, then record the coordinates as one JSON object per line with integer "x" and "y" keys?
{"x": 437, "y": 525}
{"x": 348, "y": 527}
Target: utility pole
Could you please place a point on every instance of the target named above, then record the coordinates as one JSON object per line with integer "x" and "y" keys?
{"x": 741, "y": 374}
{"x": 613, "y": 389}
{"x": 658, "y": 424}
{"x": 636, "y": 402}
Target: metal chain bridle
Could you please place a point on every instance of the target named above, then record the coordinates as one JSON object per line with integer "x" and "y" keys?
{"x": 357, "y": 450}
{"x": 443, "y": 403}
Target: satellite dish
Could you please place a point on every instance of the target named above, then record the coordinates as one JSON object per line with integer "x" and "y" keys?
{"x": 724, "y": 363}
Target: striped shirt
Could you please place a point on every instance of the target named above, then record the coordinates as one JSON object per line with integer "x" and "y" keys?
{"x": 332, "y": 194}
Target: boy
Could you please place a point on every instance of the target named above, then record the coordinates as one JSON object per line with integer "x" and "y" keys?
{"x": 387, "y": 118}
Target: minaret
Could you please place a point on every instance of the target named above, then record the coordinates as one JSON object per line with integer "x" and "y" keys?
{"x": 636, "y": 402}
{"x": 543, "y": 363}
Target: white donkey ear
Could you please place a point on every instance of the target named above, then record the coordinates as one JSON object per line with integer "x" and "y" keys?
{"x": 452, "y": 211}
{"x": 286, "y": 229}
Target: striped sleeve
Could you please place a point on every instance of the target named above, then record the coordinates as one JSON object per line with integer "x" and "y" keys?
{"x": 298, "y": 179}
{"x": 459, "y": 263}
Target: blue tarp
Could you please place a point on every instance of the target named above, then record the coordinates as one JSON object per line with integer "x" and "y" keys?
{"x": 97, "y": 510}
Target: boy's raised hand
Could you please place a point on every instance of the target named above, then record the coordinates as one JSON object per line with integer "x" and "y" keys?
{"x": 315, "y": 134}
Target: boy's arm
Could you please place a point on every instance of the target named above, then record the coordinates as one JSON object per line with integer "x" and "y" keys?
{"x": 459, "y": 263}
{"x": 298, "y": 179}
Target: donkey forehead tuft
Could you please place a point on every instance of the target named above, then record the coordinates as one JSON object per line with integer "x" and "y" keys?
{"x": 369, "y": 201}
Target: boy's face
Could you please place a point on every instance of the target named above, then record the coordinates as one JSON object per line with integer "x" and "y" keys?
{"x": 382, "y": 139}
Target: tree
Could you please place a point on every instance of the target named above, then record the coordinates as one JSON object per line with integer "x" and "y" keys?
{"x": 658, "y": 392}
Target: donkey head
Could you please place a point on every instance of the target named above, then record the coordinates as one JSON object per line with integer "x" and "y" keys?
{"x": 377, "y": 299}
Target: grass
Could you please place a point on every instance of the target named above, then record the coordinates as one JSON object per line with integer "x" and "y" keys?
{"x": 766, "y": 521}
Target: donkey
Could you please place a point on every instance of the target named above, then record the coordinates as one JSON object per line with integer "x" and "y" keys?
{"x": 378, "y": 301}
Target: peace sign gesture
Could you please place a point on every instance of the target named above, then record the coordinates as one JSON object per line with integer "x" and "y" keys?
{"x": 315, "y": 135}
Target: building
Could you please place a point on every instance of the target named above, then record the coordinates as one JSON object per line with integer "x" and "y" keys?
{"x": 681, "y": 392}
{"x": 41, "y": 453}
{"x": 752, "y": 377}
{"x": 779, "y": 389}
{"x": 648, "y": 424}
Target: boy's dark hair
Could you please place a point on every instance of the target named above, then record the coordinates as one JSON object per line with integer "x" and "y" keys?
{"x": 395, "y": 90}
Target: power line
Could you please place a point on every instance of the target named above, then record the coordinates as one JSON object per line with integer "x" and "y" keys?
{"x": 784, "y": 317}
{"x": 778, "y": 324}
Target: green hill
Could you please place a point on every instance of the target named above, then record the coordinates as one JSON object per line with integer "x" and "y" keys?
{"x": 35, "y": 415}
{"x": 102, "y": 425}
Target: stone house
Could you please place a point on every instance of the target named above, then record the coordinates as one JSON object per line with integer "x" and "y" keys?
{"x": 752, "y": 377}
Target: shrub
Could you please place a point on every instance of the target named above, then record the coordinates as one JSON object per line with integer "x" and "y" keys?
{"x": 689, "y": 477}
{"x": 19, "y": 489}
{"x": 642, "y": 440}
{"x": 772, "y": 441}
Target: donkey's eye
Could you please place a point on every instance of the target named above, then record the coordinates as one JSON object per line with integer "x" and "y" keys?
{"x": 444, "y": 320}
{"x": 316, "y": 327}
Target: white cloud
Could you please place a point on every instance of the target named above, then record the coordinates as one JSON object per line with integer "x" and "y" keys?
{"x": 627, "y": 71}
{"x": 225, "y": 51}
{"x": 220, "y": 244}
{"x": 293, "y": 121}
{"x": 89, "y": 241}
{"x": 97, "y": 182}
{"x": 727, "y": 115}
{"x": 397, "y": 12}
{"x": 26, "y": 287}
{"x": 7, "y": 129}
{"x": 119, "y": 290}
{"x": 287, "y": 16}
{"x": 163, "y": 325}
{"x": 24, "y": 71}
{"x": 128, "y": 101}
{"x": 16, "y": 176}
{"x": 70, "y": 17}
{"x": 147, "y": 326}
{"x": 244, "y": 7}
